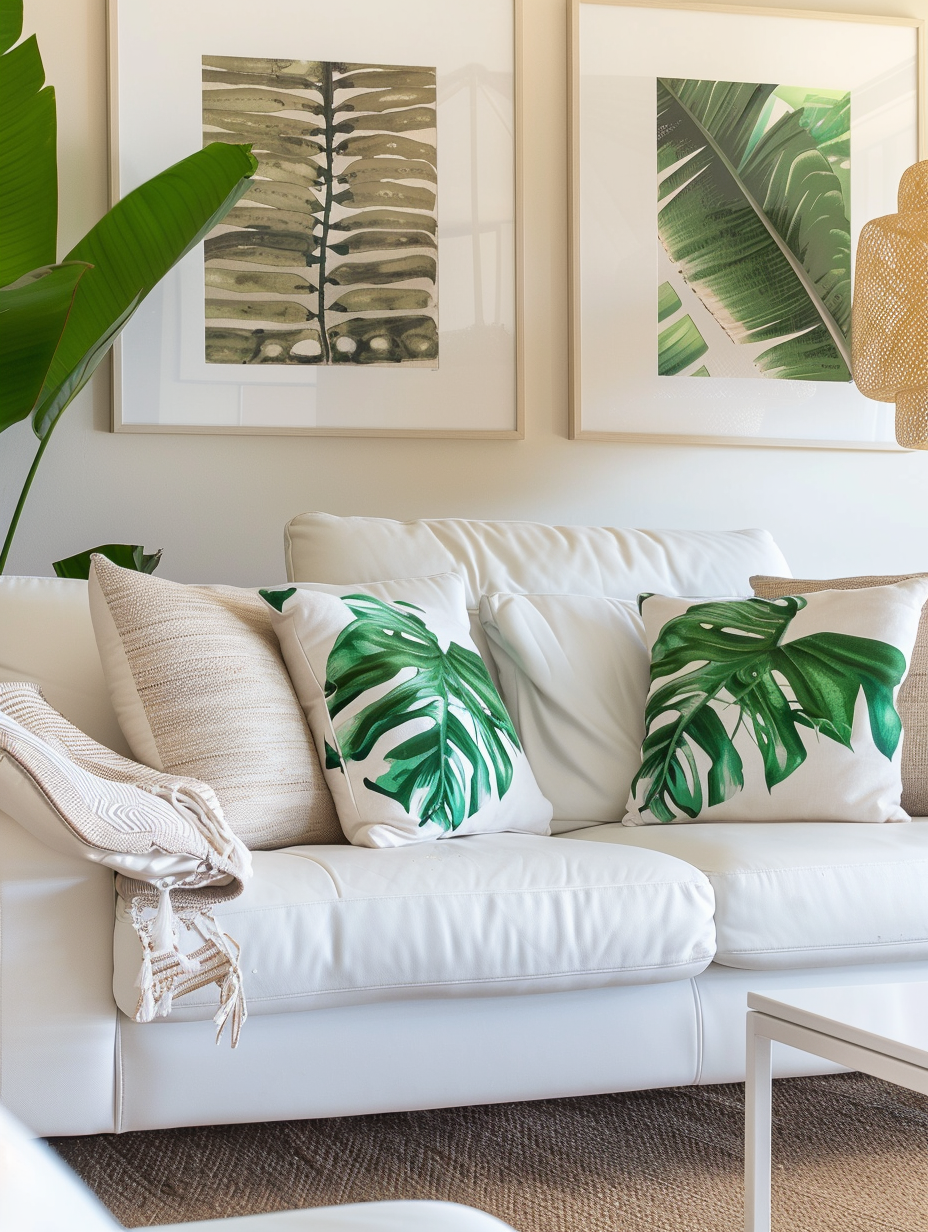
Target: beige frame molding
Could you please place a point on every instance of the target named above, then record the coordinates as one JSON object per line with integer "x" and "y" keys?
{"x": 505, "y": 434}
{"x": 576, "y": 431}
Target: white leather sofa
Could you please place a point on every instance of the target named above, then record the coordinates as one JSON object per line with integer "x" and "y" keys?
{"x": 474, "y": 970}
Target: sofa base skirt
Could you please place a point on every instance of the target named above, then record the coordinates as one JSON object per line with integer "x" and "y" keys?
{"x": 401, "y": 1056}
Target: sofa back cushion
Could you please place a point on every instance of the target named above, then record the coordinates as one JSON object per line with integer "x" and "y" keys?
{"x": 528, "y": 557}
{"x": 573, "y": 672}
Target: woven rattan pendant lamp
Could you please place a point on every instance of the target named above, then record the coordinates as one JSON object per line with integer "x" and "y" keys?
{"x": 889, "y": 352}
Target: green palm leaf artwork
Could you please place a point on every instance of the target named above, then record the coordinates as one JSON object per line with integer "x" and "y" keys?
{"x": 728, "y": 658}
{"x": 463, "y": 743}
{"x": 331, "y": 257}
{"x": 753, "y": 220}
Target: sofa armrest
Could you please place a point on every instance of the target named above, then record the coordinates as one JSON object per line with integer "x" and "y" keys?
{"x": 58, "y": 1033}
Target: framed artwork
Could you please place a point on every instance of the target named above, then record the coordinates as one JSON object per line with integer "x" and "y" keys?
{"x": 366, "y": 284}
{"x": 723, "y": 163}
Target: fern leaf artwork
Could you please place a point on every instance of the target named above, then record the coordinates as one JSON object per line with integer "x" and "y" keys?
{"x": 753, "y": 217}
{"x": 331, "y": 256}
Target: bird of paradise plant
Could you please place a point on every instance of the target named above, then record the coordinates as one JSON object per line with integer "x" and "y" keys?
{"x": 58, "y": 319}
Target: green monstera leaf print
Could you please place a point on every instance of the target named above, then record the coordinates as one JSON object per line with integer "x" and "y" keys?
{"x": 446, "y": 771}
{"x": 735, "y": 657}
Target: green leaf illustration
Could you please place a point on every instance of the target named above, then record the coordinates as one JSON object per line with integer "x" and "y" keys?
{"x": 332, "y": 759}
{"x": 447, "y": 771}
{"x": 760, "y": 231}
{"x": 393, "y": 269}
{"x": 368, "y": 241}
{"x": 678, "y": 346}
{"x": 731, "y": 654}
{"x": 347, "y": 172}
{"x": 260, "y": 346}
{"x": 366, "y": 340}
{"x": 379, "y": 299}
{"x": 668, "y": 301}
{"x": 277, "y": 598}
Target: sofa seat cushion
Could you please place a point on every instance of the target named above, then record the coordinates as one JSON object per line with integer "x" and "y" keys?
{"x": 493, "y": 914}
{"x": 802, "y": 894}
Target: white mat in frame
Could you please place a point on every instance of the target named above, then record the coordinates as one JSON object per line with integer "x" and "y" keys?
{"x": 618, "y": 50}
{"x": 162, "y": 382}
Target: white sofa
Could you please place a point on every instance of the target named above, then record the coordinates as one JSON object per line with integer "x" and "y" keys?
{"x": 474, "y": 970}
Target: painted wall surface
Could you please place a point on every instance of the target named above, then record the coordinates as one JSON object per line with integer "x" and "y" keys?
{"x": 217, "y": 505}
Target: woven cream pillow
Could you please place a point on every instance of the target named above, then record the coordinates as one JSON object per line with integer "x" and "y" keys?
{"x": 912, "y": 702}
{"x": 200, "y": 689}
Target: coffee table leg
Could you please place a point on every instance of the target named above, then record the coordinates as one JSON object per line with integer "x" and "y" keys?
{"x": 758, "y": 1112}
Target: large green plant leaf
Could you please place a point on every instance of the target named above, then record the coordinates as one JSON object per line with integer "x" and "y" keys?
{"x": 131, "y": 249}
{"x": 11, "y": 22}
{"x": 447, "y": 771}
{"x": 731, "y": 655}
{"x": 761, "y": 233}
{"x": 33, "y": 313}
{"x": 127, "y": 555}
{"x": 28, "y": 133}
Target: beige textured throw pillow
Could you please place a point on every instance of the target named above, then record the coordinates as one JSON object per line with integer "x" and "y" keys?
{"x": 912, "y": 701}
{"x": 200, "y": 689}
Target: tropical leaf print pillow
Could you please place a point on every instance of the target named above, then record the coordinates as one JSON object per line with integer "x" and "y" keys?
{"x": 776, "y": 710}
{"x": 415, "y": 740}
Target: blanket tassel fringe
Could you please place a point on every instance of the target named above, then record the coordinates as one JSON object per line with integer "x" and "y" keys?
{"x": 167, "y": 972}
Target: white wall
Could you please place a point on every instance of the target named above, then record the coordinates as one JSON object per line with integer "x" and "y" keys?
{"x": 217, "y": 505}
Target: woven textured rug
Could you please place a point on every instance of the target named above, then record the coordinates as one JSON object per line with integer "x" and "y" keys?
{"x": 851, "y": 1155}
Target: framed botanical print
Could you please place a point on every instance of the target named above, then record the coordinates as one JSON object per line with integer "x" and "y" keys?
{"x": 723, "y": 163}
{"x": 366, "y": 283}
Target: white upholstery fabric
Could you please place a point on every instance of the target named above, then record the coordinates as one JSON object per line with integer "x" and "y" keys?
{"x": 484, "y": 915}
{"x": 574, "y": 673}
{"x": 57, "y": 1016}
{"x": 527, "y": 556}
{"x": 400, "y": 1055}
{"x": 357, "y": 1217}
{"x": 722, "y": 993}
{"x": 479, "y": 1050}
{"x": 46, "y": 637}
{"x": 803, "y": 894}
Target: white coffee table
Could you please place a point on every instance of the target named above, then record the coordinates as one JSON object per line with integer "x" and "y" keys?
{"x": 879, "y": 1029}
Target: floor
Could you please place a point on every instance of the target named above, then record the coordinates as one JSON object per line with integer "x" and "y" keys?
{"x": 851, "y": 1155}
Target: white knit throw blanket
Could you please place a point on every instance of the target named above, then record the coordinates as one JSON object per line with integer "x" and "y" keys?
{"x": 175, "y": 857}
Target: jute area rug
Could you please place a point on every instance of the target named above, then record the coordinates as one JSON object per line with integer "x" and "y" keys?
{"x": 851, "y": 1155}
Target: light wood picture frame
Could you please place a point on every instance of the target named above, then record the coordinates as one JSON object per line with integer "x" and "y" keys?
{"x": 178, "y": 369}
{"x": 624, "y": 384}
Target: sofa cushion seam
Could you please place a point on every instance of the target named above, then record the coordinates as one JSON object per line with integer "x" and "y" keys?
{"x": 244, "y": 910}
{"x": 496, "y": 979}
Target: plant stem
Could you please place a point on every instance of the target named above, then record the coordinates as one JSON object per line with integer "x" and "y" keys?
{"x": 17, "y": 512}
{"x": 328, "y": 103}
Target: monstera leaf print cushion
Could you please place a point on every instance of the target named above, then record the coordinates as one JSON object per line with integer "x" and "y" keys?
{"x": 776, "y": 709}
{"x": 412, "y": 733}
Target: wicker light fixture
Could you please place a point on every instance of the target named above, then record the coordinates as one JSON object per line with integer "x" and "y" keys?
{"x": 890, "y": 316}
